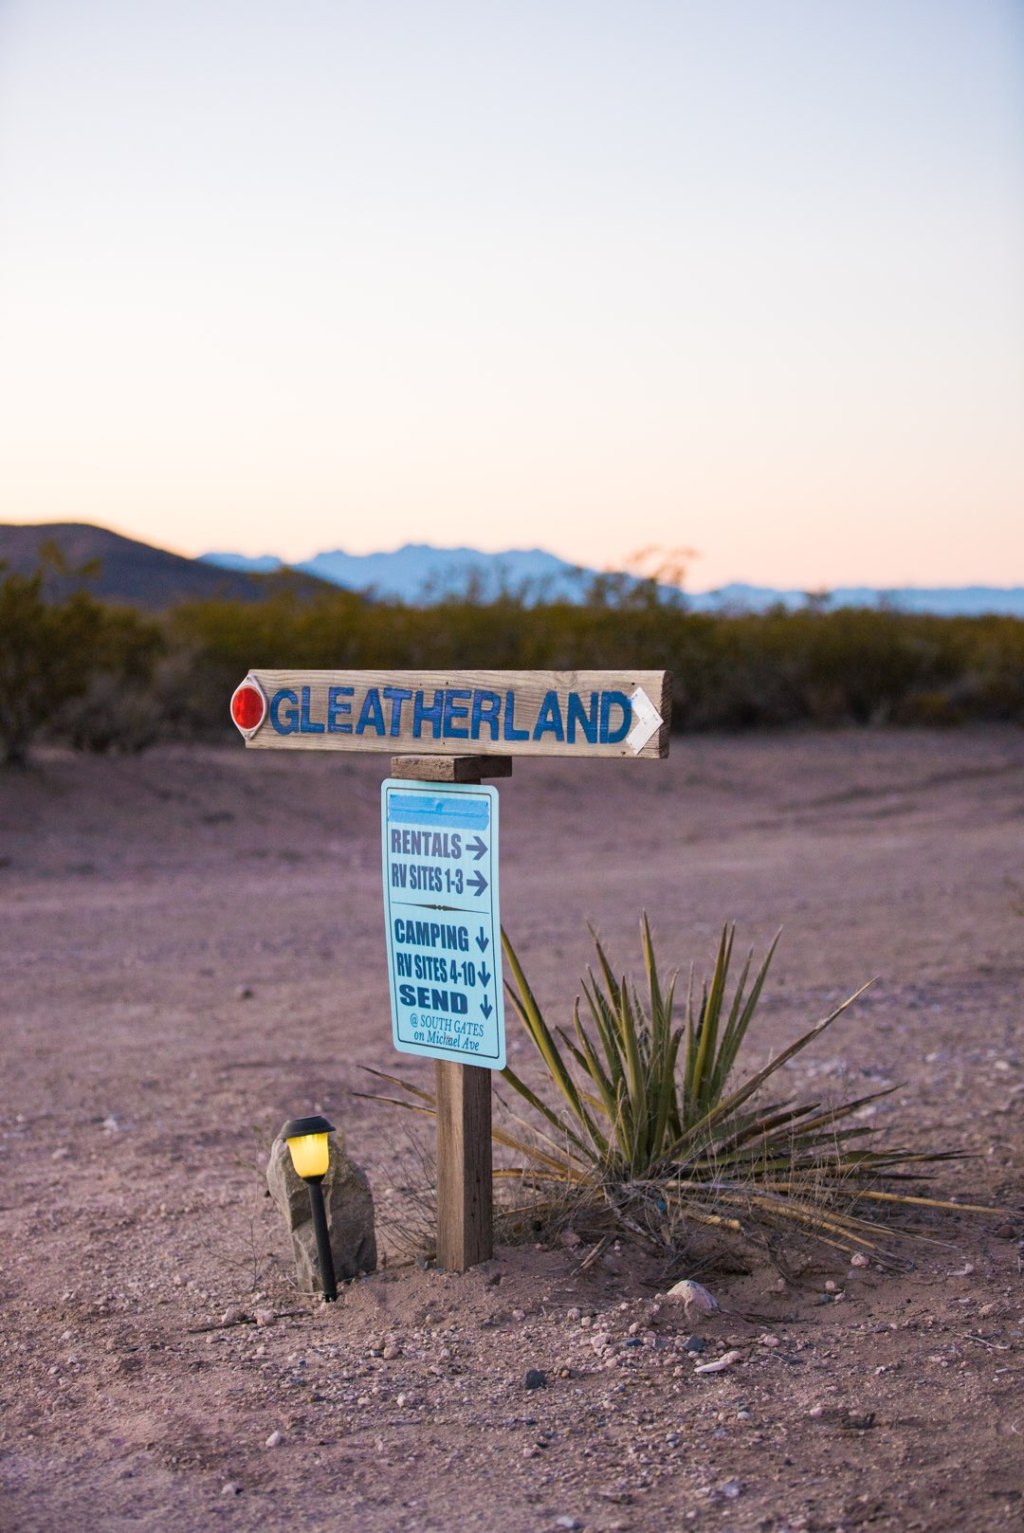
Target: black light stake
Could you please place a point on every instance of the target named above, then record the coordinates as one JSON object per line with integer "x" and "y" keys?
{"x": 311, "y": 1155}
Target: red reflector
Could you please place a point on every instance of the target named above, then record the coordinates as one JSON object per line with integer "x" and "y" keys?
{"x": 248, "y": 706}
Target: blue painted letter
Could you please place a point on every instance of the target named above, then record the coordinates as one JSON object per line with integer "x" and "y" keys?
{"x": 610, "y": 700}
{"x": 511, "y": 732}
{"x": 371, "y": 714}
{"x": 486, "y": 710}
{"x": 336, "y": 709}
{"x": 453, "y": 709}
{"x": 290, "y": 722}
{"x": 308, "y": 726}
{"x": 433, "y": 714}
{"x": 549, "y": 719}
{"x": 586, "y": 721}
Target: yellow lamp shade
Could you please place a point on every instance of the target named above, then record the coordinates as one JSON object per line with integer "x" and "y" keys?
{"x": 308, "y": 1146}
{"x": 310, "y": 1154}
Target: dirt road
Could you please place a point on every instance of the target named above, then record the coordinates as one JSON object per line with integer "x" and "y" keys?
{"x": 191, "y": 946}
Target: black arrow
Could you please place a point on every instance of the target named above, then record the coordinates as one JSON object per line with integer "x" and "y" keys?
{"x": 485, "y": 975}
{"x": 486, "y": 1007}
{"x": 478, "y": 882}
{"x": 483, "y": 942}
{"x": 477, "y": 846}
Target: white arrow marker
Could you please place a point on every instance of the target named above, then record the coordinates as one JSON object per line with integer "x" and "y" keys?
{"x": 647, "y": 721}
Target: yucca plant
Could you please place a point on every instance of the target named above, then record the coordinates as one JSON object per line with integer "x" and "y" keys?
{"x": 650, "y": 1132}
{"x": 652, "y": 1123}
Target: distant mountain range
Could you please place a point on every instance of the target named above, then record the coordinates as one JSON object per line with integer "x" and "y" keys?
{"x": 137, "y": 574}
{"x": 419, "y": 573}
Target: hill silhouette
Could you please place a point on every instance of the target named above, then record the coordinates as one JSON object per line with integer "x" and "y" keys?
{"x": 136, "y": 574}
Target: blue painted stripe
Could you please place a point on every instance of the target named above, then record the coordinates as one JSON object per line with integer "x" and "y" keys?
{"x": 458, "y": 812}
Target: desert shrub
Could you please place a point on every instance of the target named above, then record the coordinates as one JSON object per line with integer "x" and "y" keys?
{"x": 72, "y": 669}
{"x": 62, "y": 662}
{"x": 112, "y": 714}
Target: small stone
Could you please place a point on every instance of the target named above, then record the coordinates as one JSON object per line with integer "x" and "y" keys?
{"x": 574, "y": 1313}
{"x": 232, "y": 1315}
{"x": 244, "y": 993}
{"x": 725, "y": 1361}
{"x": 768, "y": 1340}
{"x": 535, "y": 1378}
{"x": 1005, "y": 1232}
{"x": 264, "y": 1316}
{"x": 693, "y": 1344}
{"x": 831, "y": 1287}
{"x": 390, "y": 1352}
{"x": 275, "y": 1439}
{"x": 571, "y": 1524}
{"x": 61, "y": 1153}
{"x": 694, "y": 1297}
{"x": 858, "y": 1259}
{"x": 731, "y": 1489}
{"x": 232, "y": 1488}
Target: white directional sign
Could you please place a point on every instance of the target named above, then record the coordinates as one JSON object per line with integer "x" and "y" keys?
{"x": 440, "y": 857}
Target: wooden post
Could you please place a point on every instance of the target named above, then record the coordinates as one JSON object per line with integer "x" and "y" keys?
{"x": 465, "y": 1216}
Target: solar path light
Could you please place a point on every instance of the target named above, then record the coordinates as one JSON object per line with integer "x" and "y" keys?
{"x": 311, "y": 1155}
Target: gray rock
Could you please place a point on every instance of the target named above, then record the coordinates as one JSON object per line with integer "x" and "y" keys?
{"x": 349, "y": 1205}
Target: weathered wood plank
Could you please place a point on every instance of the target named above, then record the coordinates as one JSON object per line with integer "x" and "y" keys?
{"x": 465, "y": 1216}
{"x": 467, "y": 769}
{"x": 622, "y": 714}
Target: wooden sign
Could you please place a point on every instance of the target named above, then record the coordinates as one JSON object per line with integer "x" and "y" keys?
{"x": 445, "y": 713}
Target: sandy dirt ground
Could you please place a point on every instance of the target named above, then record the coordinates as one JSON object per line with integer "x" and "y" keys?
{"x": 192, "y": 951}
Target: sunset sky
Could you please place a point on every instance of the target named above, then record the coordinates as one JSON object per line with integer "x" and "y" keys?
{"x": 743, "y": 276}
